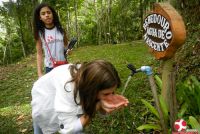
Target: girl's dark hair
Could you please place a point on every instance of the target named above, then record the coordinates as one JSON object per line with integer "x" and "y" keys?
{"x": 91, "y": 78}
{"x": 39, "y": 26}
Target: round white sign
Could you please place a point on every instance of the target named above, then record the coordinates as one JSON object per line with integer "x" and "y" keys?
{"x": 157, "y": 32}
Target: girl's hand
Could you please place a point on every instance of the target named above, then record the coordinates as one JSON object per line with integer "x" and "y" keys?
{"x": 117, "y": 100}
{"x": 113, "y": 102}
{"x": 69, "y": 51}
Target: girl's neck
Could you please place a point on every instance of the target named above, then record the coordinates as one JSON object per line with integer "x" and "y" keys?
{"x": 50, "y": 26}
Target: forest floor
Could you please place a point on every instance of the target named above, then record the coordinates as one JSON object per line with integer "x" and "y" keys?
{"x": 16, "y": 81}
{"x": 15, "y": 85}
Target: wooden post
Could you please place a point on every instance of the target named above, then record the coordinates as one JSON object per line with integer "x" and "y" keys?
{"x": 168, "y": 88}
{"x": 167, "y": 68}
{"x": 164, "y": 33}
{"x": 160, "y": 112}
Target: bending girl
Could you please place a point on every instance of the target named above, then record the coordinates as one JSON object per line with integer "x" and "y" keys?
{"x": 68, "y": 97}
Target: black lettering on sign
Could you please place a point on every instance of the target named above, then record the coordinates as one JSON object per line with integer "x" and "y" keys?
{"x": 157, "y": 32}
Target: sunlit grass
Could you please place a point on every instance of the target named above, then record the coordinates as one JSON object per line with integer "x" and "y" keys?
{"x": 15, "y": 110}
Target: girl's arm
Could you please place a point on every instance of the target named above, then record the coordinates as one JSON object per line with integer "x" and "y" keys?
{"x": 39, "y": 57}
{"x": 65, "y": 39}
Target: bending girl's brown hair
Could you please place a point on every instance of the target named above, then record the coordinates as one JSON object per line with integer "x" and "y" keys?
{"x": 91, "y": 78}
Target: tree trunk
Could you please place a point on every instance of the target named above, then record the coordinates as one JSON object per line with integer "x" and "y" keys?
{"x": 22, "y": 40}
{"x": 4, "y": 54}
{"x": 100, "y": 26}
{"x": 76, "y": 21}
{"x": 68, "y": 24}
{"x": 10, "y": 53}
{"x": 20, "y": 32}
{"x": 109, "y": 16}
{"x": 68, "y": 20}
{"x": 97, "y": 22}
{"x": 105, "y": 21}
{"x": 122, "y": 26}
{"x": 141, "y": 14}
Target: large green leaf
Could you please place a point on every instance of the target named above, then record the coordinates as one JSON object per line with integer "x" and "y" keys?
{"x": 158, "y": 82}
{"x": 194, "y": 123}
{"x": 151, "y": 108}
{"x": 148, "y": 127}
{"x": 195, "y": 82}
{"x": 196, "y": 87}
{"x": 164, "y": 107}
{"x": 182, "y": 110}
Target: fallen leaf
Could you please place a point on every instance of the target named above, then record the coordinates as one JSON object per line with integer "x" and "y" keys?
{"x": 20, "y": 117}
{"x": 23, "y": 130}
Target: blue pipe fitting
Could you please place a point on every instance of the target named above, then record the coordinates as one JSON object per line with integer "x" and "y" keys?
{"x": 147, "y": 70}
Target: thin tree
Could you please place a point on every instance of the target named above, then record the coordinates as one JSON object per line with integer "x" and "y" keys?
{"x": 109, "y": 16}
{"x": 76, "y": 21}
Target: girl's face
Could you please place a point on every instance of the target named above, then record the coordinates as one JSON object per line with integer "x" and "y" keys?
{"x": 103, "y": 93}
{"x": 46, "y": 16}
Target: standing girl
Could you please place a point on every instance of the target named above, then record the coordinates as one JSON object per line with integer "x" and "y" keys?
{"x": 50, "y": 36}
{"x": 68, "y": 97}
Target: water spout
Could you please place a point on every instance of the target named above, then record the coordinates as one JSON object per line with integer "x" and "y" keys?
{"x": 126, "y": 84}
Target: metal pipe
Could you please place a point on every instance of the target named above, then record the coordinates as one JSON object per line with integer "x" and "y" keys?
{"x": 148, "y": 71}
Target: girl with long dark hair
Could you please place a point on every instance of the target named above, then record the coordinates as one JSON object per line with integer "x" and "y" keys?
{"x": 49, "y": 36}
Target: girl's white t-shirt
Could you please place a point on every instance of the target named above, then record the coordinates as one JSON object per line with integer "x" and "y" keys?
{"x": 55, "y": 42}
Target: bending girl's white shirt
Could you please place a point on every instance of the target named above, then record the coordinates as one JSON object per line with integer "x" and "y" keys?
{"x": 49, "y": 97}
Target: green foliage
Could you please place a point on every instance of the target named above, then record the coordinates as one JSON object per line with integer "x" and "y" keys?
{"x": 151, "y": 108}
{"x": 164, "y": 108}
{"x": 153, "y": 124}
{"x": 188, "y": 55}
{"x": 158, "y": 81}
{"x": 17, "y": 37}
{"x": 149, "y": 127}
{"x": 188, "y": 93}
{"x": 182, "y": 110}
{"x": 122, "y": 19}
{"x": 194, "y": 123}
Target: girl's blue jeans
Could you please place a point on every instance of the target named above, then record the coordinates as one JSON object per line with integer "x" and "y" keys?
{"x": 47, "y": 69}
{"x": 36, "y": 128}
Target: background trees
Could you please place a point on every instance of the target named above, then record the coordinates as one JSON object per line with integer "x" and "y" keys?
{"x": 94, "y": 22}
{"x": 91, "y": 21}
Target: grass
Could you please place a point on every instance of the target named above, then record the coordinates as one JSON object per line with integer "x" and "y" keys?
{"x": 16, "y": 82}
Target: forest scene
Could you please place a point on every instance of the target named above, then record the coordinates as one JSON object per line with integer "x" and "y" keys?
{"x": 111, "y": 30}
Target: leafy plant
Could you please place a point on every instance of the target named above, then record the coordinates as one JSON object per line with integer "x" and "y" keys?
{"x": 194, "y": 123}
{"x": 158, "y": 82}
{"x": 154, "y": 123}
{"x": 188, "y": 95}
